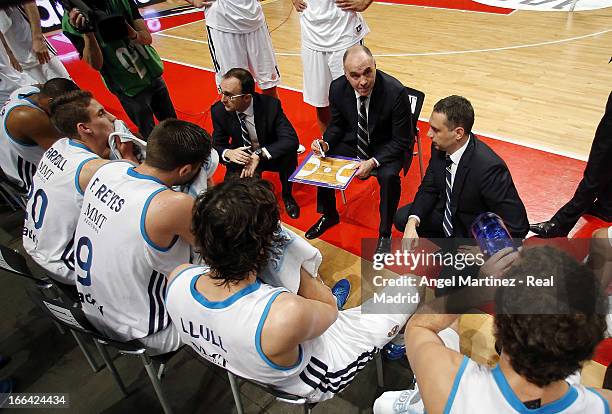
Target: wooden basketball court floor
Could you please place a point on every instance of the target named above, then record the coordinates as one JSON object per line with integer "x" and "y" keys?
{"x": 535, "y": 78}
{"x": 538, "y": 82}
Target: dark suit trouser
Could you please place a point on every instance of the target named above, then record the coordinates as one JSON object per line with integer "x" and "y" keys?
{"x": 284, "y": 166}
{"x": 390, "y": 190}
{"x": 597, "y": 180}
{"x": 154, "y": 100}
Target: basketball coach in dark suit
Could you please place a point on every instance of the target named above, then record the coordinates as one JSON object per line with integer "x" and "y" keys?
{"x": 252, "y": 134}
{"x": 370, "y": 119}
{"x": 464, "y": 178}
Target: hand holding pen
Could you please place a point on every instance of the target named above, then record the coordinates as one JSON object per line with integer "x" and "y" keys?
{"x": 319, "y": 147}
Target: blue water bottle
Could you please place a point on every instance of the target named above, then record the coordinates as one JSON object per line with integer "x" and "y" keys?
{"x": 491, "y": 234}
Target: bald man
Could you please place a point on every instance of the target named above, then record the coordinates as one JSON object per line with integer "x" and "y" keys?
{"x": 370, "y": 120}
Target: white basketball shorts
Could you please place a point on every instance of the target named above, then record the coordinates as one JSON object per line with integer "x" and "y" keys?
{"x": 320, "y": 69}
{"x": 252, "y": 51}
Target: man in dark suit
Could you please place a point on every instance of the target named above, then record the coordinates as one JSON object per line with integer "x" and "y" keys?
{"x": 252, "y": 134}
{"x": 594, "y": 193}
{"x": 370, "y": 119}
{"x": 475, "y": 179}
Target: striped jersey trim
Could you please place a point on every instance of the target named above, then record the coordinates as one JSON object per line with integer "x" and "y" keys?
{"x": 317, "y": 376}
{"x": 158, "y": 315}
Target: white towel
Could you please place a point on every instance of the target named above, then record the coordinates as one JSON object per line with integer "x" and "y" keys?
{"x": 289, "y": 255}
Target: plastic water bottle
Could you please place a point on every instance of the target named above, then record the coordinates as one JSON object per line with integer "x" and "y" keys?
{"x": 491, "y": 234}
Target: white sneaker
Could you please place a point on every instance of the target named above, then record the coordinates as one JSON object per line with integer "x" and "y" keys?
{"x": 400, "y": 402}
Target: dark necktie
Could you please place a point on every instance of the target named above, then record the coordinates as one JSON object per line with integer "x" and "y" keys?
{"x": 447, "y": 223}
{"x": 246, "y": 140}
{"x": 363, "y": 138}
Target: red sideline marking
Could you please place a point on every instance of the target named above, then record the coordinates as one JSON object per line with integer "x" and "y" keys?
{"x": 467, "y": 5}
{"x": 168, "y": 22}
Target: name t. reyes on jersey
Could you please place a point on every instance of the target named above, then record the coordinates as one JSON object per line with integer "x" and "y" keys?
{"x": 95, "y": 218}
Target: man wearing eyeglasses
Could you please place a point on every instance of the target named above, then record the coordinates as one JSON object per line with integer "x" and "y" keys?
{"x": 252, "y": 134}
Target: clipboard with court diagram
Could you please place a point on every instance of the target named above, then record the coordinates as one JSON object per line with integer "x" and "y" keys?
{"x": 332, "y": 172}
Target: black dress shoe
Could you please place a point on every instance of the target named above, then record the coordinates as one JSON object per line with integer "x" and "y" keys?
{"x": 321, "y": 226}
{"x": 548, "y": 229}
{"x": 291, "y": 207}
{"x": 383, "y": 245}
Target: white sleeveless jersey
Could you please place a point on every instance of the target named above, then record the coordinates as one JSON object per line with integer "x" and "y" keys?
{"x": 479, "y": 389}
{"x": 235, "y": 16}
{"x": 120, "y": 272}
{"x": 53, "y": 208}
{"x": 228, "y": 333}
{"x": 327, "y": 28}
{"x": 17, "y": 159}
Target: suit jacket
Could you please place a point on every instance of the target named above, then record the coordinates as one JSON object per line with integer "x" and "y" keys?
{"x": 274, "y": 131}
{"x": 390, "y": 123}
{"x": 482, "y": 183}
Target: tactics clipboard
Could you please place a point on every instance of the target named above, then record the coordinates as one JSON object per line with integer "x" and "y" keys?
{"x": 331, "y": 172}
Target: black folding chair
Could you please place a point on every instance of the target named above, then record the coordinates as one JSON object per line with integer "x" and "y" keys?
{"x": 417, "y": 98}
{"x": 280, "y": 396}
{"x": 13, "y": 262}
{"x": 72, "y": 317}
{"x": 12, "y": 195}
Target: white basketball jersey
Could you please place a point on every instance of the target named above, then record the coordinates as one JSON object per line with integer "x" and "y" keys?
{"x": 120, "y": 271}
{"x": 18, "y": 159}
{"x": 479, "y": 389}
{"x": 235, "y": 16}
{"x": 327, "y": 28}
{"x": 53, "y": 208}
{"x": 228, "y": 333}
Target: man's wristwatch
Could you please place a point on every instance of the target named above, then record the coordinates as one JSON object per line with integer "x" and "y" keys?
{"x": 258, "y": 152}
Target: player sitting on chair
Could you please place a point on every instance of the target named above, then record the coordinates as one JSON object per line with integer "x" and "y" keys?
{"x": 298, "y": 343}
{"x": 26, "y": 130}
{"x": 133, "y": 230}
{"x": 64, "y": 170}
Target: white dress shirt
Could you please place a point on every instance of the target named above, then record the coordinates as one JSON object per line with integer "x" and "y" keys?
{"x": 455, "y": 158}
{"x": 250, "y": 125}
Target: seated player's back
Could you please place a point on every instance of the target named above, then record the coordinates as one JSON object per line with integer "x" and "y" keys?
{"x": 54, "y": 206}
{"x": 120, "y": 271}
{"x": 228, "y": 332}
{"x": 18, "y": 159}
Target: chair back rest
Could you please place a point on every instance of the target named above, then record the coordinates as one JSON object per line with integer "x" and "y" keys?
{"x": 13, "y": 262}
{"x": 68, "y": 315}
{"x": 265, "y": 387}
{"x": 12, "y": 194}
{"x": 417, "y": 98}
{"x": 71, "y": 316}
{"x": 416, "y": 104}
